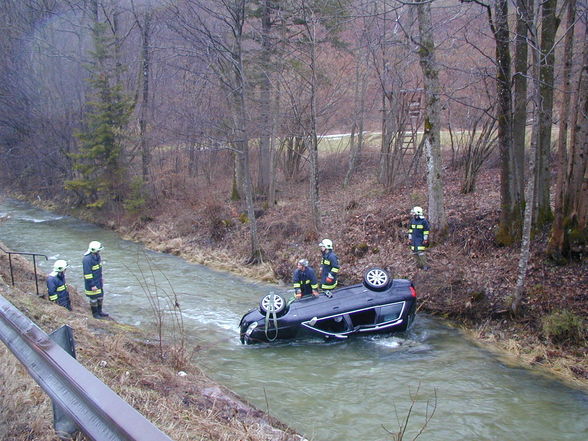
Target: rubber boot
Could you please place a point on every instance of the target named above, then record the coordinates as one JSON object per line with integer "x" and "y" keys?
{"x": 100, "y": 312}
{"x": 95, "y": 313}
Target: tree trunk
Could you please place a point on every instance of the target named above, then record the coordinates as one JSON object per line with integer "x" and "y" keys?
{"x": 432, "y": 132}
{"x": 557, "y": 245}
{"x": 239, "y": 93}
{"x": 263, "y": 181}
{"x": 536, "y": 99}
{"x": 543, "y": 213}
{"x": 579, "y": 155}
{"x": 508, "y": 214}
{"x": 356, "y": 144}
{"x": 519, "y": 119}
{"x": 314, "y": 173}
{"x": 145, "y": 70}
{"x": 313, "y": 148}
{"x": 576, "y": 201}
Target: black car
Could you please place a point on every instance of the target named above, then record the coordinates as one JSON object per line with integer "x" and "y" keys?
{"x": 378, "y": 305}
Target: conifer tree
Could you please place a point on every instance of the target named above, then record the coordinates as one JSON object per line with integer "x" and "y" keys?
{"x": 100, "y": 167}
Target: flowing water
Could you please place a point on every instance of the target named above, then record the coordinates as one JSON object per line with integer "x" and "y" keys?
{"x": 343, "y": 391}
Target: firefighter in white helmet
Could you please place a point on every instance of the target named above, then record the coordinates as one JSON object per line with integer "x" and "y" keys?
{"x": 94, "y": 289}
{"x": 329, "y": 266}
{"x": 56, "y": 286}
{"x": 418, "y": 237}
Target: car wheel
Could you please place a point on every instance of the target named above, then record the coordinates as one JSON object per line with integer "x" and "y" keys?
{"x": 265, "y": 304}
{"x": 376, "y": 279}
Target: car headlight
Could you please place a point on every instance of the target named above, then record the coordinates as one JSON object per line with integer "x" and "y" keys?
{"x": 250, "y": 328}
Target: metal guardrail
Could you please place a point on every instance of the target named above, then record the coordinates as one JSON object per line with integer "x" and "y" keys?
{"x": 98, "y": 412}
{"x": 10, "y": 253}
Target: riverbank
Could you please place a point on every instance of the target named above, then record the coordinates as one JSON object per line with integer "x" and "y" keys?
{"x": 163, "y": 385}
{"x": 470, "y": 283}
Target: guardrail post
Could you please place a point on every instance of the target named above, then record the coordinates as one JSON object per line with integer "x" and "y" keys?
{"x": 64, "y": 426}
{"x": 11, "y": 271}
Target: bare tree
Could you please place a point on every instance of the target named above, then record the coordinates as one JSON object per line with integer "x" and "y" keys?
{"x": 432, "y": 133}
{"x": 143, "y": 21}
{"x": 217, "y": 30}
{"x": 477, "y": 142}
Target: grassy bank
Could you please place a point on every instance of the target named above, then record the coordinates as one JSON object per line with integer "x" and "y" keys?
{"x": 130, "y": 362}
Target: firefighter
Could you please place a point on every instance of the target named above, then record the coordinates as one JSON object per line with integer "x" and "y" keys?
{"x": 56, "y": 286}
{"x": 418, "y": 237}
{"x": 329, "y": 266}
{"x": 305, "y": 282}
{"x": 94, "y": 290}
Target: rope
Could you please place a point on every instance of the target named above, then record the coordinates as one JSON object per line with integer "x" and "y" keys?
{"x": 270, "y": 313}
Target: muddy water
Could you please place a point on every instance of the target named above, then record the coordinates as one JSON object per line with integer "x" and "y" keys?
{"x": 342, "y": 391}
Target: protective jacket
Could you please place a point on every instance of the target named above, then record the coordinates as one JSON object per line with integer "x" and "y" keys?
{"x": 305, "y": 281}
{"x": 93, "y": 275}
{"x": 329, "y": 270}
{"x": 418, "y": 232}
{"x": 57, "y": 289}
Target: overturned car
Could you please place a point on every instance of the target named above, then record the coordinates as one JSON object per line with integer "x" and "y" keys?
{"x": 378, "y": 305}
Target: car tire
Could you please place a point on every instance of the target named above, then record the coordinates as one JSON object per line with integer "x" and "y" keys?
{"x": 279, "y": 303}
{"x": 376, "y": 279}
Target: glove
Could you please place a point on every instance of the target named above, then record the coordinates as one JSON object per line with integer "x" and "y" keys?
{"x": 330, "y": 278}
{"x": 298, "y": 295}
{"x": 426, "y": 242}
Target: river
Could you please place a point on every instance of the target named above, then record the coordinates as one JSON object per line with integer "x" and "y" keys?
{"x": 355, "y": 390}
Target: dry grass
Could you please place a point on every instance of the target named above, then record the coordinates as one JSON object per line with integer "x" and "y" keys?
{"x": 186, "y": 408}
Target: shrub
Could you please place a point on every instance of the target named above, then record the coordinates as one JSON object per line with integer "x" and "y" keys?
{"x": 564, "y": 327}
{"x": 135, "y": 200}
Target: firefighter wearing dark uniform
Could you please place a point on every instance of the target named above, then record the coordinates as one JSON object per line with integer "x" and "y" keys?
{"x": 305, "y": 282}
{"x": 56, "y": 286}
{"x": 418, "y": 237}
{"x": 92, "y": 264}
{"x": 329, "y": 265}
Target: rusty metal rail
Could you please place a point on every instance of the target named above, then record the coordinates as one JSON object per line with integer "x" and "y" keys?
{"x": 10, "y": 253}
{"x": 98, "y": 412}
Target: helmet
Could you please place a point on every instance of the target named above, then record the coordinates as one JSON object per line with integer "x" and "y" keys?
{"x": 327, "y": 243}
{"x": 417, "y": 211}
{"x": 303, "y": 262}
{"x": 59, "y": 266}
{"x": 95, "y": 246}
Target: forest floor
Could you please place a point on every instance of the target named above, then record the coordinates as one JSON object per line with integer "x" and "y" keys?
{"x": 471, "y": 280}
